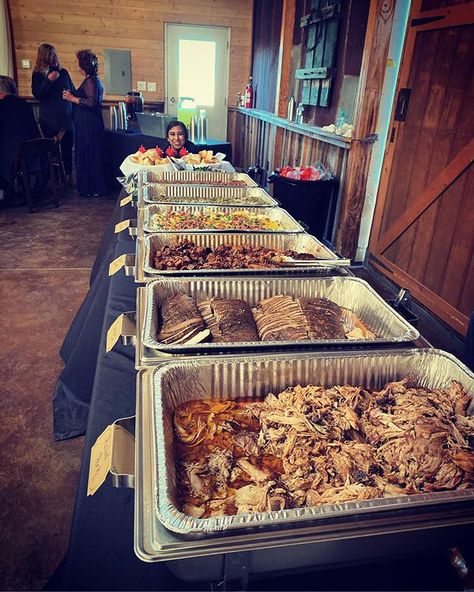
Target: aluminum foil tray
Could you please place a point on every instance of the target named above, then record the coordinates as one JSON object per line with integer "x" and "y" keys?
{"x": 286, "y": 221}
{"x": 204, "y": 194}
{"x": 300, "y": 242}
{"x": 350, "y": 292}
{"x": 194, "y": 177}
{"x": 253, "y": 378}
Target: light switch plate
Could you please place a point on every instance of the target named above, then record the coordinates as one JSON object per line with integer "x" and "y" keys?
{"x": 25, "y": 63}
{"x": 141, "y": 85}
{"x": 151, "y": 86}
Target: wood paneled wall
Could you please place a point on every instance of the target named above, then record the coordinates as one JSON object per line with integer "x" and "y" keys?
{"x": 271, "y": 142}
{"x": 266, "y": 42}
{"x": 136, "y": 25}
{"x": 350, "y": 45}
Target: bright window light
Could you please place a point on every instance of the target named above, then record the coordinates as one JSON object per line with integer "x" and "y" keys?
{"x": 197, "y": 67}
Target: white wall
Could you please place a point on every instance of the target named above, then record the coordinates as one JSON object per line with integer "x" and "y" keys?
{"x": 402, "y": 9}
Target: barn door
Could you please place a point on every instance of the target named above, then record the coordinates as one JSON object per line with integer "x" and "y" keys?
{"x": 423, "y": 231}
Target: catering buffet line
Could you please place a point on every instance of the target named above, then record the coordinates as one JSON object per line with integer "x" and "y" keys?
{"x": 281, "y": 402}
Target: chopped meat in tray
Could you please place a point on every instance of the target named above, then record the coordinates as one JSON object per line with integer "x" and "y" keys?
{"x": 311, "y": 445}
{"x": 186, "y": 255}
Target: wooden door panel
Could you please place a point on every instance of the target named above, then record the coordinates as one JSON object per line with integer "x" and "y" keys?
{"x": 433, "y": 4}
{"x": 426, "y": 228}
{"x": 467, "y": 296}
{"x": 448, "y": 214}
{"x": 423, "y": 226}
{"x": 455, "y": 113}
{"x": 461, "y": 249}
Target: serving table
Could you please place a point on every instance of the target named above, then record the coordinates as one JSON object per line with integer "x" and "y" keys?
{"x": 96, "y": 388}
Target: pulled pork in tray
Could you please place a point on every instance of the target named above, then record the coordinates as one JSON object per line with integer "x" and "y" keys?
{"x": 187, "y": 255}
{"x": 311, "y": 445}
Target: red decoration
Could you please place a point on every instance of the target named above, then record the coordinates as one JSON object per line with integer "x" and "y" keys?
{"x": 142, "y": 149}
{"x": 159, "y": 151}
{"x": 183, "y": 152}
{"x": 170, "y": 151}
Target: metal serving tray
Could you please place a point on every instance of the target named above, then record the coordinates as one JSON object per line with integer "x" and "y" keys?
{"x": 350, "y": 292}
{"x": 193, "y": 177}
{"x": 254, "y": 378}
{"x": 286, "y": 221}
{"x": 205, "y": 195}
{"x": 300, "y": 242}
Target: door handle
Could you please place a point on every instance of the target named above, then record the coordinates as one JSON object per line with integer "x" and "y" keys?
{"x": 172, "y": 100}
{"x": 403, "y": 101}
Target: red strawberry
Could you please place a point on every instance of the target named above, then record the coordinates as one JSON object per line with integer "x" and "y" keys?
{"x": 183, "y": 152}
{"x": 142, "y": 149}
{"x": 159, "y": 151}
{"x": 170, "y": 151}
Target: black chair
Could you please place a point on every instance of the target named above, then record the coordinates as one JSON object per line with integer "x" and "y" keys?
{"x": 57, "y": 157}
{"x": 34, "y": 168}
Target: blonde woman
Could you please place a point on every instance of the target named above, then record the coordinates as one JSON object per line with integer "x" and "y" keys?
{"x": 49, "y": 81}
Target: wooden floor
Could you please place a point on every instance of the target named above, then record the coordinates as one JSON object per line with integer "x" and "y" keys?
{"x": 44, "y": 273}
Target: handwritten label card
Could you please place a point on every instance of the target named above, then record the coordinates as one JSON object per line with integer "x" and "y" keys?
{"x": 117, "y": 264}
{"x": 114, "y": 450}
{"x": 114, "y": 332}
{"x": 121, "y": 226}
{"x": 101, "y": 459}
{"x": 126, "y": 200}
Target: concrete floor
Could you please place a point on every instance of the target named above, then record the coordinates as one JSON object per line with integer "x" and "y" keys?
{"x": 44, "y": 276}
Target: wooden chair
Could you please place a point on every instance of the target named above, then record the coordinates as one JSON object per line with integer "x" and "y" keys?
{"x": 57, "y": 157}
{"x": 35, "y": 161}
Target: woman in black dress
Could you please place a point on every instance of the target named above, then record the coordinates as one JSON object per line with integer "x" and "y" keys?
{"x": 178, "y": 143}
{"x": 88, "y": 126}
{"x": 47, "y": 84}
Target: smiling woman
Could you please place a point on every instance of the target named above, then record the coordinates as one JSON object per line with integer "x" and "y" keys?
{"x": 178, "y": 143}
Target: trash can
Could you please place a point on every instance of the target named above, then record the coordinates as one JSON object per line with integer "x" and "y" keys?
{"x": 312, "y": 202}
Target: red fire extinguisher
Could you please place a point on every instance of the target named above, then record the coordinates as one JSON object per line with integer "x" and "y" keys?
{"x": 249, "y": 94}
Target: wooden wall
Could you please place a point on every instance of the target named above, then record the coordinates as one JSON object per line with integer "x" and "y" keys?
{"x": 266, "y": 43}
{"x": 137, "y": 25}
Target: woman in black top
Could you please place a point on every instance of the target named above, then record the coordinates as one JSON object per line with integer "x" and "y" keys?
{"x": 88, "y": 126}
{"x": 47, "y": 85}
{"x": 178, "y": 143}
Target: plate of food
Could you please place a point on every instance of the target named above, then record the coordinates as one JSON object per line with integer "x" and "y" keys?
{"x": 146, "y": 158}
{"x": 204, "y": 160}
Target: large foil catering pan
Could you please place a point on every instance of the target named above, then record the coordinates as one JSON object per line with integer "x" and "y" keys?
{"x": 350, "y": 292}
{"x": 286, "y": 221}
{"x": 205, "y": 195}
{"x": 254, "y": 378}
{"x": 194, "y": 177}
{"x": 299, "y": 242}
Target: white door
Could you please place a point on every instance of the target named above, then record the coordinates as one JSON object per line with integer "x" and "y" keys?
{"x": 197, "y": 65}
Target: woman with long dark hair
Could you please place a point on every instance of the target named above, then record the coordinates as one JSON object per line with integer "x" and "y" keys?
{"x": 89, "y": 126}
{"x": 177, "y": 136}
{"x": 48, "y": 82}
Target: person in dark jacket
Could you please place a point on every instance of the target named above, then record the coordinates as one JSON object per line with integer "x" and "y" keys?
{"x": 17, "y": 123}
{"x": 178, "y": 143}
{"x": 47, "y": 85}
{"x": 88, "y": 126}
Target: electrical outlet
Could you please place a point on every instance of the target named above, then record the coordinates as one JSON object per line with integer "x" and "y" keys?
{"x": 151, "y": 86}
{"x": 141, "y": 85}
{"x": 26, "y": 64}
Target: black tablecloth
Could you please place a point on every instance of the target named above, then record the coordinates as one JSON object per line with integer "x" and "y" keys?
{"x": 80, "y": 348}
{"x": 119, "y": 144}
{"x": 95, "y": 389}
